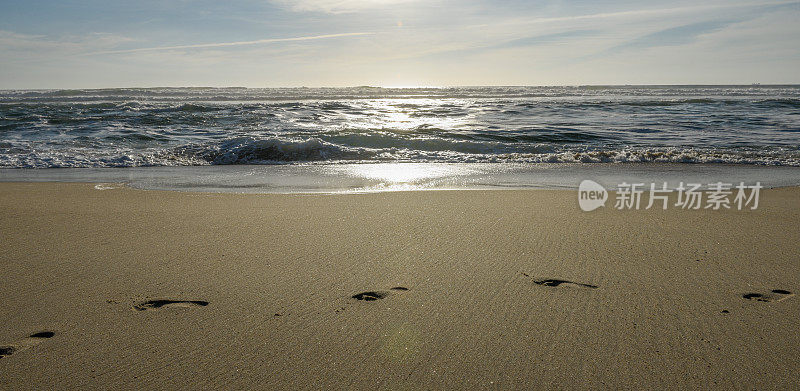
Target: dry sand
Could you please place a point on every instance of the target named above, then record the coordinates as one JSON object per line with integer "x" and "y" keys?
{"x": 269, "y": 280}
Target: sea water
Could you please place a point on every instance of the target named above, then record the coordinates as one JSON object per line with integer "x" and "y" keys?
{"x": 310, "y": 139}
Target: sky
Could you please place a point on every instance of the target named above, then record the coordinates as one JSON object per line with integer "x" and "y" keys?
{"x": 395, "y": 43}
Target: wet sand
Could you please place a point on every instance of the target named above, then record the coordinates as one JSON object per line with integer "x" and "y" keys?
{"x": 133, "y": 289}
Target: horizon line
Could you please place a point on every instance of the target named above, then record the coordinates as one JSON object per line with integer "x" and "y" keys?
{"x": 416, "y": 87}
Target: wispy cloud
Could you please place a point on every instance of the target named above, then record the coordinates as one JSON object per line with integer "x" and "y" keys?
{"x": 691, "y": 32}
{"x": 655, "y": 12}
{"x": 523, "y": 42}
{"x": 229, "y": 44}
{"x": 337, "y": 6}
{"x": 545, "y": 39}
{"x": 18, "y": 47}
{"x": 674, "y": 36}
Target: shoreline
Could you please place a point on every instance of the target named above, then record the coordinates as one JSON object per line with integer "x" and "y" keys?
{"x": 383, "y": 177}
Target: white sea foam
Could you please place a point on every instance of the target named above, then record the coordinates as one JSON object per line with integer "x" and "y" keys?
{"x": 108, "y": 186}
{"x": 281, "y": 151}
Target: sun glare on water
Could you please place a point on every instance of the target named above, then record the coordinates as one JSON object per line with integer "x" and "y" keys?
{"x": 408, "y": 114}
{"x": 404, "y": 176}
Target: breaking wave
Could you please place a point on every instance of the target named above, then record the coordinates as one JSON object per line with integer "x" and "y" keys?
{"x": 246, "y": 150}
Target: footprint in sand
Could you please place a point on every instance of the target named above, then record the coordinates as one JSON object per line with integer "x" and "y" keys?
{"x": 552, "y": 282}
{"x": 27, "y": 343}
{"x": 156, "y": 304}
{"x": 774, "y": 295}
{"x": 377, "y": 295}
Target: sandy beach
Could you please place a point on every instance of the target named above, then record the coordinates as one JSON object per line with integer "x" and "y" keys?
{"x": 517, "y": 289}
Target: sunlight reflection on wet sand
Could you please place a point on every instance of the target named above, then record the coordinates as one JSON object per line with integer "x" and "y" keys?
{"x": 403, "y": 176}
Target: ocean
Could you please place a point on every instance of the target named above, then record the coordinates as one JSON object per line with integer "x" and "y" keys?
{"x": 487, "y": 131}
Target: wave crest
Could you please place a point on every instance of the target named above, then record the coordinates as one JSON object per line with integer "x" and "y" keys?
{"x": 277, "y": 150}
{"x": 248, "y": 150}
